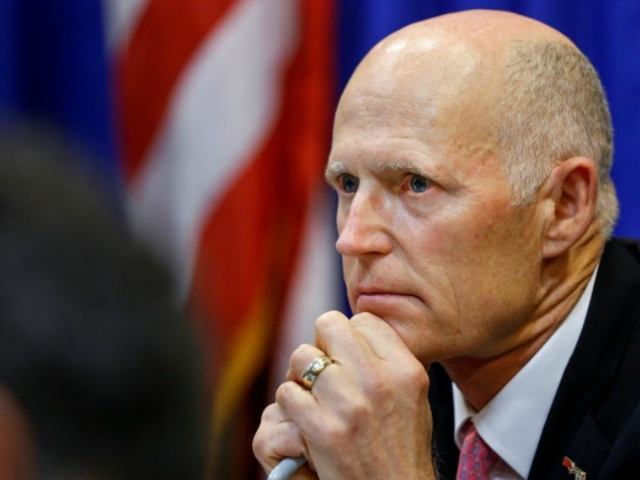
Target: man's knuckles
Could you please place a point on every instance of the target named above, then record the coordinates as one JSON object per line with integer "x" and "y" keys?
{"x": 330, "y": 325}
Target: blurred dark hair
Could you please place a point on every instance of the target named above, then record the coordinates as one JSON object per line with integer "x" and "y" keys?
{"x": 91, "y": 341}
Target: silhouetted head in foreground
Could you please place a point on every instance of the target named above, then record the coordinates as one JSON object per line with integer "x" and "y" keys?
{"x": 92, "y": 345}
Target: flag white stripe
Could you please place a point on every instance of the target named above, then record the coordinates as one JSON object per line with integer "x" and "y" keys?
{"x": 314, "y": 287}
{"x": 121, "y": 17}
{"x": 223, "y": 109}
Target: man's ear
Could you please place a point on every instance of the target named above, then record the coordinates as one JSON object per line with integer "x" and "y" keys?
{"x": 571, "y": 190}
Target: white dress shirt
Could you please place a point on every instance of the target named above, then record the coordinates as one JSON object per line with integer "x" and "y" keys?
{"x": 511, "y": 423}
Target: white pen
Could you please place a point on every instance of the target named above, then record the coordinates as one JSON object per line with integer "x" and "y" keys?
{"x": 286, "y": 468}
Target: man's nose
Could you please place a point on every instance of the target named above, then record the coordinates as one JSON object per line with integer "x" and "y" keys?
{"x": 363, "y": 228}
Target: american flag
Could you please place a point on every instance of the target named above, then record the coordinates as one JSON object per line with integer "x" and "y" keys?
{"x": 225, "y": 111}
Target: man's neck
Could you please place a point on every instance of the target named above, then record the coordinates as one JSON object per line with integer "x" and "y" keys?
{"x": 563, "y": 281}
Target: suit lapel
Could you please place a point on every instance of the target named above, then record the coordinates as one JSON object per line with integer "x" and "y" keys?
{"x": 572, "y": 428}
{"x": 441, "y": 398}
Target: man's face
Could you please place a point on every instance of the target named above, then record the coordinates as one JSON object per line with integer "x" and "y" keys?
{"x": 429, "y": 239}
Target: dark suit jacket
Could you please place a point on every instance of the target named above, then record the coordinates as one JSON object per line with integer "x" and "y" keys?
{"x": 595, "y": 416}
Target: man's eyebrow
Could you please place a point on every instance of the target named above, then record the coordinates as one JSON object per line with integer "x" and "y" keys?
{"x": 334, "y": 168}
{"x": 408, "y": 167}
{"x": 402, "y": 167}
{"x": 337, "y": 167}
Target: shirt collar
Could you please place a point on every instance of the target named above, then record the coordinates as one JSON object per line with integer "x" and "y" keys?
{"x": 511, "y": 423}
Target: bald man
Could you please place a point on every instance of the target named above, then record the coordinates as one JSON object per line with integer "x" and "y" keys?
{"x": 471, "y": 159}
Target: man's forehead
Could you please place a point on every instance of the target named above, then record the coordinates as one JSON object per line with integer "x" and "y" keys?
{"x": 417, "y": 66}
{"x": 416, "y": 90}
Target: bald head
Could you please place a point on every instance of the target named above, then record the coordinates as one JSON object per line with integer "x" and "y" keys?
{"x": 489, "y": 29}
{"x": 450, "y": 54}
{"x": 488, "y": 32}
{"x": 496, "y": 76}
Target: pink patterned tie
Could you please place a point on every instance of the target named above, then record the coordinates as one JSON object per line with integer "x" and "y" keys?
{"x": 476, "y": 457}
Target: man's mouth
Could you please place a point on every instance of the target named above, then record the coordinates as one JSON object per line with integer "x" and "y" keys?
{"x": 382, "y": 302}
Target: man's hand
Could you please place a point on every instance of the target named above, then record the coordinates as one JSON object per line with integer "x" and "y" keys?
{"x": 367, "y": 414}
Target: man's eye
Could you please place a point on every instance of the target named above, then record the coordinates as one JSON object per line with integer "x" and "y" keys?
{"x": 348, "y": 183}
{"x": 418, "y": 183}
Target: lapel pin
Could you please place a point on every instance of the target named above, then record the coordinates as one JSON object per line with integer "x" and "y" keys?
{"x": 577, "y": 473}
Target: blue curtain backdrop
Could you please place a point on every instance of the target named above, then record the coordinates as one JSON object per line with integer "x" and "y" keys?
{"x": 53, "y": 65}
{"x": 54, "y": 71}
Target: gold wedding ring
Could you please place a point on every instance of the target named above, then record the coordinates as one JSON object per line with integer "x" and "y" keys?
{"x": 313, "y": 370}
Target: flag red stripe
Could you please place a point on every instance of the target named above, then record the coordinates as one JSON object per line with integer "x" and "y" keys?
{"x": 240, "y": 253}
{"x": 241, "y": 260}
{"x": 145, "y": 87}
{"x": 251, "y": 243}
